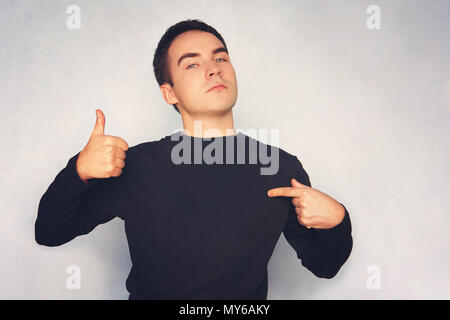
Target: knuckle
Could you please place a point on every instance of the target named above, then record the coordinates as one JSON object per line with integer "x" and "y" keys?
{"x": 122, "y": 143}
{"x": 111, "y": 158}
{"x": 110, "y": 169}
{"x": 303, "y": 221}
{"x": 109, "y": 149}
{"x": 111, "y": 140}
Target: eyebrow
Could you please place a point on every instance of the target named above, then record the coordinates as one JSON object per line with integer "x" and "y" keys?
{"x": 196, "y": 54}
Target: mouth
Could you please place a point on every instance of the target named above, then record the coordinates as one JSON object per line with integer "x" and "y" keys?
{"x": 218, "y": 87}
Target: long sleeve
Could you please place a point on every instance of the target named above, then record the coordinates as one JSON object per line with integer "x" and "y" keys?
{"x": 71, "y": 207}
{"x": 322, "y": 251}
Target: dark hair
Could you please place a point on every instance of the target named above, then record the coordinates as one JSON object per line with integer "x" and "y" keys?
{"x": 160, "y": 65}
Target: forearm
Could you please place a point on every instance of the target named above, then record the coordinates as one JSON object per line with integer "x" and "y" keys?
{"x": 58, "y": 220}
{"x": 330, "y": 248}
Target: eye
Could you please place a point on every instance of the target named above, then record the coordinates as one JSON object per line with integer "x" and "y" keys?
{"x": 194, "y": 64}
{"x": 191, "y": 65}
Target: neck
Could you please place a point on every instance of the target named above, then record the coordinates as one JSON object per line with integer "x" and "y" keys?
{"x": 208, "y": 126}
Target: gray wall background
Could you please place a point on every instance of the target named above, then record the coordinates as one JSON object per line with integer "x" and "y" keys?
{"x": 366, "y": 111}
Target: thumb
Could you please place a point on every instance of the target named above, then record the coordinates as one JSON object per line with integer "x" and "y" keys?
{"x": 295, "y": 183}
{"x": 99, "y": 128}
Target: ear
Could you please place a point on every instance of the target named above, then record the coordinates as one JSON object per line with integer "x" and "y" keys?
{"x": 167, "y": 93}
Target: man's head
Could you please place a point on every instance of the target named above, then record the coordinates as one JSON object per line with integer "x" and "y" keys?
{"x": 191, "y": 57}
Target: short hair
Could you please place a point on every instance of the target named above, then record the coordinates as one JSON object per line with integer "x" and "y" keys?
{"x": 160, "y": 59}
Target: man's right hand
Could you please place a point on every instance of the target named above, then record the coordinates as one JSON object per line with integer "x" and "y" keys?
{"x": 103, "y": 156}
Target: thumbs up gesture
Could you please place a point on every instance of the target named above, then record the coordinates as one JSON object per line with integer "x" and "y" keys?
{"x": 103, "y": 156}
{"x": 314, "y": 209}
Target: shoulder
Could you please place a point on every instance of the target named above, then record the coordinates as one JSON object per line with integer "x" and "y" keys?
{"x": 284, "y": 156}
{"x": 146, "y": 149}
{"x": 290, "y": 165}
{"x": 286, "y": 162}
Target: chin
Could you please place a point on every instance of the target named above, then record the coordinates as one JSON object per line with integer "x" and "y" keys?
{"x": 220, "y": 108}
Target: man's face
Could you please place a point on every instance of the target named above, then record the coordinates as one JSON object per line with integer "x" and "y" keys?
{"x": 194, "y": 75}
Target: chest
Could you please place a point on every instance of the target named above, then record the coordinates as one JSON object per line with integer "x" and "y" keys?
{"x": 206, "y": 214}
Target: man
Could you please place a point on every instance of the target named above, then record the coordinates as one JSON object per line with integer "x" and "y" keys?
{"x": 196, "y": 229}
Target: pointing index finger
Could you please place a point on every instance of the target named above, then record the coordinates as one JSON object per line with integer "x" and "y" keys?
{"x": 284, "y": 192}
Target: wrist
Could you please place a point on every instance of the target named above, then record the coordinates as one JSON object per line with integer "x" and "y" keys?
{"x": 80, "y": 174}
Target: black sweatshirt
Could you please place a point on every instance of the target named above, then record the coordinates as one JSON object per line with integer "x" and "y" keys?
{"x": 194, "y": 231}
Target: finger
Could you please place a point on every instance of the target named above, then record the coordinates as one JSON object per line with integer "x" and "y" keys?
{"x": 284, "y": 192}
{"x": 297, "y": 184}
{"x": 116, "y": 172}
{"x": 99, "y": 128}
{"x": 121, "y": 143}
{"x": 120, "y": 154}
{"x": 296, "y": 202}
{"x": 302, "y": 221}
{"x": 119, "y": 163}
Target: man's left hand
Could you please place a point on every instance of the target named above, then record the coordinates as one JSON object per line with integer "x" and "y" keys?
{"x": 314, "y": 209}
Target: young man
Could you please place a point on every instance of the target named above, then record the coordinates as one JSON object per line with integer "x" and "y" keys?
{"x": 198, "y": 225}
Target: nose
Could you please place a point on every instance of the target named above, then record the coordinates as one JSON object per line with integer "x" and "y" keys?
{"x": 213, "y": 70}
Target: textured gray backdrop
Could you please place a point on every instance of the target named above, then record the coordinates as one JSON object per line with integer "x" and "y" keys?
{"x": 366, "y": 111}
